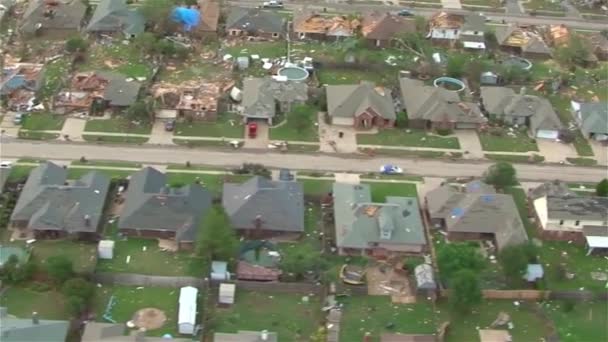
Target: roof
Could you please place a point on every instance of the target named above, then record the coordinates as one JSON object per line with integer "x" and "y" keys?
{"x": 120, "y": 90}
{"x": 255, "y": 20}
{"x": 220, "y": 267}
{"x": 152, "y": 205}
{"x": 424, "y": 277}
{"x": 534, "y": 272}
{"x": 49, "y": 202}
{"x": 474, "y": 22}
{"x": 554, "y": 188}
{"x": 595, "y": 231}
{"x": 246, "y": 336}
{"x": 188, "y": 297}
{"x": 17, "y": 76}
{"x": 384, "y": 26}
{"x": 306, "y": 21}
{"x": 348, "y": 101}
{"x": 528, "y": 41}
{"x": 360, "y": 223}
{"x": 260, "y": 95}
{"x": 436, "y": 104}
{"x": 210, "y": 15}
{"x": 249, "y": 271}
{"x": 61, "y": 15}
{"x": 494, "y": 335}
{"x": 596, "y": 236}
{"x": 398, "y": 337}
{"x": 111, "y": 332}
{"x": 7, "y": 251}
{"x": 579, "y": 208}
{"x": 594, "y": 117}
{"x": 445, "y": 20}
{"x": 478, "y": 212}
{"x": 276, "y": 205}
{"x": 597, "y": 41}
{"x": 19, "y": 330}
{"x": 558, "y": 34}
{"x": 226, "y": 293}
{"x": 114, "y": 15}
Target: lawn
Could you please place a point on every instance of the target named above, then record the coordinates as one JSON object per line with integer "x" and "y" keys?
{"x": 194, "y": 69}
{"x": 218, "y": 144}
{"x": 107, "y": 139}
{"x": 36, "y": 135}
{"x": 117, "y": 125}
{"x": 228, "y": 125}
{"x": 490, "y": 3}
{"x": 83, "y": 255}
{"x": 362, "y": 314}
{"x": 316, "y": 187}
{"x": 582, "y": 161}
{"x": 513, "y": 158}
{"x": 286, "y": 314}
{"x": 125, "y": 59}
{"x": 299, "y": 125}
{"x": 411, "y": 154}
{"x": 410, "y": 137}
{"x": 75, "y": 172}
{"x": 263, "y": 49}
{"x": 130, "y": 299}
{"x": 107, "y": 163}
{"x": 543, "y": 5}
{"x": 213, "y": 183}
{"x": 354, "y": 76}
{"x": 518, "y": 143}
{"x": 43, "y": 122}
{"x": 586, "y": 321}
{"x": 381, "y": 190}
{"x": 22, "y": 301}
{"x": 19, "y": 173}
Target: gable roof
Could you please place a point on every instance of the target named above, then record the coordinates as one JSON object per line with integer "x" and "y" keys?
{"x": 210, "y": 15}
{"x": 553, "y": 188}
{"x": 279, "y": 204}
{"x": 474, "y": 22}
{"x": 112, "y": 332}
{"x": 519, "y": 37}
{"x": 49, "y": 202}
{"x": 114, "y": 15}
{"x": 255, "y": 20}
{"x": 588, "y": 208}
{"x": 260, "y": 95}
{"x": 436, "y": 104}
{"x": 348, "y": 101}
{"x": 384, "y": 26}
{"x": 19, "y": 330}
{"x": 66, "y": 15}
{"x": 152, "y": 205}
{"x": 120, "y": 90}
{"x": 361, "y": 222}
{"x": 594, "y": 117}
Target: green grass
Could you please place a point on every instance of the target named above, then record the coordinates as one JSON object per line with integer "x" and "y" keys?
{"x": 371, "y": 175}
{"x": 316, "y": 187}
{"x": 117, "y": 125}
{"x": 585, "y": 322}
{"x": 415, "y": 138}
{"x": 83, "y": 255}
{"x": 545, "y": 5}
{"x": 128, "y": 60}
{"x": 521, "y": 200}
{"x": 381, "y": 190}
{"x": 372, "y": 314}
{"x": 107, "y": 163}
{"x": 284, "y": 314}
{"x": 582, "y": 161}
{"x": 35, "y": 135}
{"x": 490, "y": 3}
{"x": 54, "y": 75}
{"x": 515, "y": 158}
{"x": 131, "y": 299}
{"x": 213, "y": 183}
{"x": 294, "y": 148}
{"x": 298, "y": 129}
{"x": 190, "y": 70}
{"x": 76, "y": 172}
{"x": 519, "y": 143}
{"x": 353, "y": 76}
{"x": 22, "y": 301}
{"x": 264, "y": 49}
{"x": 19, "y": 172}
{"x": 43, "y": 122}
{"x": 227, "y": 125}
{"x": 107, "y": 139}
{"x": 196, "y": 167}
{"x": 582, "y": 145}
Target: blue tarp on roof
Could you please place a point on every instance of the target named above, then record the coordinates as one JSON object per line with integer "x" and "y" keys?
{"x": 190, "y": 18}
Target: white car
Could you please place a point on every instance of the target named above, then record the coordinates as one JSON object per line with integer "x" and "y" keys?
{"x": 272, "y": 4}
{"x": 390, "y": 170}
{"x": 6, "y": 164}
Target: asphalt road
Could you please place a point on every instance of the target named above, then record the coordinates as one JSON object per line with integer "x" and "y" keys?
{"x": 11, "y": 148}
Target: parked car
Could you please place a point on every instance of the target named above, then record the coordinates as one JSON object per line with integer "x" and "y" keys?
{"x": 6, "y": 164}
{"x": 18, "y": 119}
{"x": 405, "y": 13}
{"x": 272, "y": 4}
{"x": 390, "y": 169}
{"x": 170, "y": 125}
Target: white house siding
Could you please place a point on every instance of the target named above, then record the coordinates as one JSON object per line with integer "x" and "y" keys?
{"x": 452, "y": 34}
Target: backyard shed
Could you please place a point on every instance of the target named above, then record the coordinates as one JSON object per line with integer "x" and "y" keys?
{"x": 534, "y": 272}
{"x": 596, "y": 237}
{"x": 219, "y": 271}
{"x": 424, "y": 277}
{"x": 186, "y": 320}
{"x": 488, "y": 78}
{"x": 7, "y": 251}
{"x": 227, "y": 291}
{"x": 105, "y": 249}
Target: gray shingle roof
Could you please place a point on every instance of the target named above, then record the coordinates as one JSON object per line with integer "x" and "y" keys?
{"x": 594, "y": 117}
{"x": 359, "y": 222}
{"x": 474, "y": 22}
{"x": 48, "y": 202}
{"x": 279, "y": 204}
{"x": 114, "y": 15}
{"x": 66, "y": 15}
{"x": 554, "y": 188}
{"x": 119, "y": 91}
{"x": 20, "y": 330}
{"x": 260, "y": 96}
{"x": 152, "y": 205}
{"x": 588, "y": 208}
{"x": 348, "y": 101}
{"x": 255, "y": 21}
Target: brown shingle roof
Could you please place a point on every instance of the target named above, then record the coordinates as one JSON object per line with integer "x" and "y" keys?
{"x": 210, "y": 15}
{"x": 384, "y": 26}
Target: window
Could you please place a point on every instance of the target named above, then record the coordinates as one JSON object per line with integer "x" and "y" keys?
{"x": 561, "y": 222}
{"x": 576, "y": 223}
{"x": 275, "y": 35}
{"x": 476, "y": 33}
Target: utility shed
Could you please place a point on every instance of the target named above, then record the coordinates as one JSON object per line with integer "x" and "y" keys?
{"x": 219, "y": 270}
{"x": 227, "y": 291}
{"x": 105, "y": 249}
{"x": 596, "y": 237}
{"x": 187, "y": 310}
{"x": 424, "y": 277}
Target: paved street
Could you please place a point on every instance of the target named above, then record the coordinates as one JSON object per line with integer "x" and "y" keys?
{"x": 11, "y": 148}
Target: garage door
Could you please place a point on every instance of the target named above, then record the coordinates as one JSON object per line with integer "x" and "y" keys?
{"x": 547, "y": 134}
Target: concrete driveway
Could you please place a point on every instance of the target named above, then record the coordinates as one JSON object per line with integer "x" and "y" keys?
{"x": 451, "y": 4}
{"x": 7, "y": 125}
{"x": 262, "y": 139}
{"x": 329, "y": 134}
{"x": 73, "y": 128}
{"x": 600, "y": 151}
{"x": 160, "y": 136}
{"x": 469, "y": 142}
{"x": 554, "y": 151}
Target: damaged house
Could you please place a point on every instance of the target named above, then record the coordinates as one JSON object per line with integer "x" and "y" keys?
{"x": 431, "y": 107}
{"x": 263, "y": 97}
{"x": 254, "y": 22}
{"x": 52, "y": 206}
{"x": 113, "y": 16}
{"x": 450, "y": 28}
{"x": 379, "y": 28}
{"x": 53, "y": 18}
{"x": 311, "y": 25}
{"x": 210, "y": 18}
{"x": 523, "y": 41}
{"x": 197, "y": 100}
{"x": 557, "y": 35}
{"x": 19, "y": 84}
{"x": 361, "y": 106}
{"x": 100, "y": 88}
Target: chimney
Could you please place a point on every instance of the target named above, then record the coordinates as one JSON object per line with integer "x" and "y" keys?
{"x": 264, "y": 335}
{"x": 258, "y": 222}
{"x": 87, "y": 220}
{"x": 35, "y": 319}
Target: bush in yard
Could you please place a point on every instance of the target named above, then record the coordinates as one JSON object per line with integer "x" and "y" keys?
{"x": 39, "y": 287}
{"x": 455, "y": 257}
{"x": 253, "y": 169}
{"x": 566, "y": 136}
{"x": 466, "y": 291}
{"x": 299, "y": 261}
{"x": 514, "y": 261}
{"x": 78, "y": 287}
{"x": 76, "y": 44}
{"x": 157, "y": 13}
{"x": 76, "y": 305}
{"x": 59, "y": 268}
{"x": 140, "y": 111}
{"x": 456, "y": 65}
{"x": 443, "y": 131}
{"x": 601, "y": 189}
{"x": 216, "y": 238}
{"x": 13, "y": 272}
{"x": 501, "y": 175}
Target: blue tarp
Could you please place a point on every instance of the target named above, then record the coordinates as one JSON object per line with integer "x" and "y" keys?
{"x": 190, "y": 18}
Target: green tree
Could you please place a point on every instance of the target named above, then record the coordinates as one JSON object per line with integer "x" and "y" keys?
{"x": 474, "y": 69}
{"x": 455, "y": 67}
{"x": 501, "y": 175}
{"x": 76, "y": 305}
{"x": 140, "y": 111}
{"x": 601, "y": 189}
{"x": 455, "y": 257}
{"x": 490, "y": 38}
{"x": 146, "y": 42}
{"x": 13, "y": 272}
{"x": 466, "y": 291}
{"x": 300, "y": 260}
{"x": 59, "y": 268}
{"x": 157, "y": 13}
{"x": 514, "y": 262}
{"x": 575, "y": 52}
{"x": 76, "y": 44}
{"x": 78, "y": 287}
{"x": 216, "y": 237}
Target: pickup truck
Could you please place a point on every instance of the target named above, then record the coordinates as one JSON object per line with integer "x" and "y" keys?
{"x": 272, "y": 4}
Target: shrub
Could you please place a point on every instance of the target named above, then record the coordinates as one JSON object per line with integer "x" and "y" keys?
{"x": 443, "y": 131}
{"x": 40, "y": 287}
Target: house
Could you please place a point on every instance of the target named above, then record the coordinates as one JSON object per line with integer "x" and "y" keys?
{"x": 520, "y": 109}
{"x": 431, "y": 107}
{"x": 226, "y": 294}
{"x": 598, "y": 43}
{"x": 254, "y": 22}
{"x": 398, "y": 337}
{"x": 105, "y": 89}
{"x": 263, "y": 97}
{"x": 563, "y": 215}
{"x": 210, "y": 18}
{"x": 522, "y": 41}
{"x": 472, "y": 32}
{"x": 115, "y": 332}
{"x": 376, "y": 229}
{"x": 445, "y": 27}
{"x": 155, "y": 210}
{"x": 186, "y": 317}
{"x": 311, "y": 25}
{"x": 196, "y": 100}
{"x": 592, "y": 119}
{"x": 362, "y": 106}
{"x": 32, "y": 329}
{"x": 476, "y": 212}
{"x": 380, "y": 28}
{"x": 113, "y": 16}
{"x": 53, "y": 19}
{"x": 50, "y": 205}
{"x": 19, "y": 83}
{"x": 261, "y": 207}
{"x": 246, "y": 336}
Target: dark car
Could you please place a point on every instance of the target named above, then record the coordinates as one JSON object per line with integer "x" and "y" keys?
{"x": 170, "y": 126}
{"x": 405, "y": 13}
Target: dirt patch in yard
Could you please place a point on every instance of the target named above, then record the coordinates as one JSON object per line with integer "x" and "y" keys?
{"x": 384, "y": 280}
{"x": 149, "y": 318}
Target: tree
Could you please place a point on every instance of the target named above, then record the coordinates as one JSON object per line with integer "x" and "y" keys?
{"x": 514, "y": 262}
{"x": 420, "y": 23}
{"x": 501, "y": 175}
{"x": 216, "y": 237}
{"x": 60, "y": 268}
{"x": 76, "y": 44}
{"x": 76, "y": 305}
{"x": 140, "y": 111}
{"x": 13, "y": 272}
{"x": 474, "y": 69}
{"x": 575, "y": 52}
{"x": 490, "y": 38}
{"x": 78, "y": 287}
{"x": 455, "y": 67}
{"x": 157, "y": 13}
{"x": 300, "y": 260}
{"x": 466, "y": 291}
{"x": 456, "y": 257}
{"x": 601, "y": 189}
{"x": 146, "y": 42}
